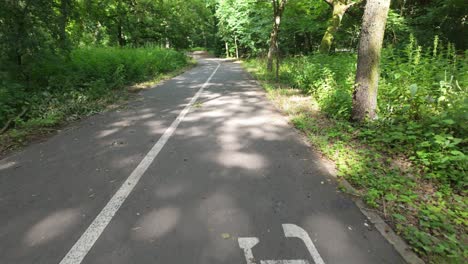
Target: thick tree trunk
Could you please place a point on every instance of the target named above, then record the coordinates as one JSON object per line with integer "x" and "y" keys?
{"x": 339, "y": 9}
{"x": 370, "y": 46}
{"x": 278, "y": 8}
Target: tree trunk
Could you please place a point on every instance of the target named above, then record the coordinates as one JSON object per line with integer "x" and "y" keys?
{"x": 205, "y": 42}
{"x": 64, "y": 15}
{"x": 237, "y": 48}
{"x": 339, "y": 9}
{"x": 278, "y": 8}
{"x": 120, "y": 16}
{"x": 19, "y": 60}
{"x": 277, "y": 65}
{"x": 227, "y": 49}
{"x": 120, "y": 36}
{"x": 370, "y": 46}
{"x": 308, "y": 43}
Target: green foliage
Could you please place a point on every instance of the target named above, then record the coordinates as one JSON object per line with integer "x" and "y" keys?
{"x": 446, "y": 18}
{"x": 247, "y": 21}
{"x": 422, "y": 103}
{"x": 304, "y": 23}
{"x": 328, "y": 78}
{"x": 64, "y": 89}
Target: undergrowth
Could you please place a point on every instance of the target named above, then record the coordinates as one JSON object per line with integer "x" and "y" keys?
{"x": 54, "y": 89}
{"x": 411, "y": 162}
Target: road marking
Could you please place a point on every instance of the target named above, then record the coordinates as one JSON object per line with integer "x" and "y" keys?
{"x": 293, "y": 261}
{"x": 84, "y": 244}
{"x": 290, "y": 230}
{"x": 247, "y": 243}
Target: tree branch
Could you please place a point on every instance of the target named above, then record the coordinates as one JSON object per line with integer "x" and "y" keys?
{"x": 5, "y": 127}
{"x": 329, "y": 2}
{"x": 351, "y": 4}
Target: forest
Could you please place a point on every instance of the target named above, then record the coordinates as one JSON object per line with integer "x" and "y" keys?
{"x": 393, "y": 120}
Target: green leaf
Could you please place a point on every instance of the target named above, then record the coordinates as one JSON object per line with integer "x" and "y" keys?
{"x": 413, "y": 89}
{"x": 399, "y": 217}
{"x": 448, "y": 121}
{"x": 457, "y": 153}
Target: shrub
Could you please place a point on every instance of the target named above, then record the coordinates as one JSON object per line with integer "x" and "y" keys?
{"x": 422, "y": 102}
{"x": 57, "y": 87}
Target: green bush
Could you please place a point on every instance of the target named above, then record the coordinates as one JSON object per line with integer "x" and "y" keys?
{"x": 55, "y": 87}
{"x": 12, "y": 99}
{"x": 329, "y": 78}
{"x": 422, "y": 102}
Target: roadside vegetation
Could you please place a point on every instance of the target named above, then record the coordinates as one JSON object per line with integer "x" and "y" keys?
{"x": 410, "y": 162}
{"x": 62, "y": 89}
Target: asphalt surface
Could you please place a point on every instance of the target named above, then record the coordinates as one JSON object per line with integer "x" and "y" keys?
{"x": 233, "y": 168}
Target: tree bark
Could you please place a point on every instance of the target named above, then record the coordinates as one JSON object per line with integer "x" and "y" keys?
{"x": 205, "y": 42}
{"x": 308, "y": 43}
{"x": 278, "y": 8}
{"x": 120, "y": 17}
{"x": 237, "y": 48}
{"x": 227, "y": 49}
{"x": 367, "y": 73}
{"x": 339, "y": 9}
{"x": 120, "y": 36}
{"x": 64, "y": 16}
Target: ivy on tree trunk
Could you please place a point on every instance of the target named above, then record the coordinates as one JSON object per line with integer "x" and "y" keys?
{"x": 339, "y": 9}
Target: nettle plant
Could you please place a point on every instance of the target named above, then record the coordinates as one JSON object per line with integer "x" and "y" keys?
{"x": 423, "y": 104}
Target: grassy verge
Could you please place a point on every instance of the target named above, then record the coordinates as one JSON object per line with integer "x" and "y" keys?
{"x": 90, "y": 81}
{"x": 410, "y": 168}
